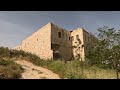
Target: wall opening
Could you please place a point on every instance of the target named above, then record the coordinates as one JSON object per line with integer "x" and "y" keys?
{"x": 55, "y": 46}
{"x": 56, "y": 55}
{"x": 77, "y": 37}
{"x": 59, "y": 34}
{"x": 56, "y": 52}
{"x": 69, "y": 38}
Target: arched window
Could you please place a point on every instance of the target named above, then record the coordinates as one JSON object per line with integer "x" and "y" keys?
{"x": 77, "y": 37}
{"x": 69, "y": 38}
{"x": 59, "y": 34}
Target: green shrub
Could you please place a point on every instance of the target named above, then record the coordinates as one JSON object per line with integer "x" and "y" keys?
{"x": 57, "y": 67}
{"x": 71, "y": 75}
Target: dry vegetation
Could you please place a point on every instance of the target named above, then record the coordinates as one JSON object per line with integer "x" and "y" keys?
{"x": 71, "y": 69}
{"x": 9, "y": 69}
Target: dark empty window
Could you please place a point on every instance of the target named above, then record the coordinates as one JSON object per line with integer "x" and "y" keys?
{"x": 82, "y": 46}
{"x": 77, "y": 37}
{"x": 59, "y": 34}
{"x": 86, "y": 48}
{"x": 37, "y": 39}
{"x": 69, "y": 38}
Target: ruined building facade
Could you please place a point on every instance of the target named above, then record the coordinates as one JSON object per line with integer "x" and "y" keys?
{"x": 53, "y": 42}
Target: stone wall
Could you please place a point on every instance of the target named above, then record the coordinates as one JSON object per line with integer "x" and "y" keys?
{"x": 39, "y": 43}
{"x": 51, "y": 38}
{"x": 18, "y": 47}
{"x": 61, "y": 38}
{"x": 78, "y": 44}
{"x": 89, "y": 41}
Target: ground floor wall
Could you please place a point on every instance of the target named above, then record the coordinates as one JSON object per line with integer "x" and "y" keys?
{"x": 62, "y": 52}
{"x": 42, "y": 52}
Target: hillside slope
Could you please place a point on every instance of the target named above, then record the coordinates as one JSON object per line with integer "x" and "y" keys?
{"x": 35, "y": 72}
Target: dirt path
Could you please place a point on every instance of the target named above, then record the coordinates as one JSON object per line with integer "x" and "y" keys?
{"x": 36, "y": 72}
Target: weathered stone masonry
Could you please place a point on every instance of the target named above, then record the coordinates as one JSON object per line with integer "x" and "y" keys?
{"x": 53, "y": 42}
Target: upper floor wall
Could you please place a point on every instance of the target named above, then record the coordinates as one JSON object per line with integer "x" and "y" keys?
{"x": 60, "y": 36}
{"x": 89, "y": 41}
{"x": 39, "y": 43}
{"x": 39, "y": 40}
{"x": 77, "y": 35}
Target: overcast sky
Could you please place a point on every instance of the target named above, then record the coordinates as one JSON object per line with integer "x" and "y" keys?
{"x": 17, "y": 25}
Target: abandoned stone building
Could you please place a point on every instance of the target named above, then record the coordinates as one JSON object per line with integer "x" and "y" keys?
{"x": 53, "y": 42}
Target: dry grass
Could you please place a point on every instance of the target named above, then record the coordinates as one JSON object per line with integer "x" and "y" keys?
{"x": 98, "y": 73}
{"x": 72, "y": 70}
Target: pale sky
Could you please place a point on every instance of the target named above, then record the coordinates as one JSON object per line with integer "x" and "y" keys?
{"x": 17, "y": 25}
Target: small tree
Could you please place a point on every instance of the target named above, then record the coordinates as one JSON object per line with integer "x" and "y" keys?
{"x": 107, "y": 50}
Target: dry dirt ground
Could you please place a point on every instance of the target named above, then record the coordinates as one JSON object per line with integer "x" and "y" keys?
{"x": 35, "y": 72}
